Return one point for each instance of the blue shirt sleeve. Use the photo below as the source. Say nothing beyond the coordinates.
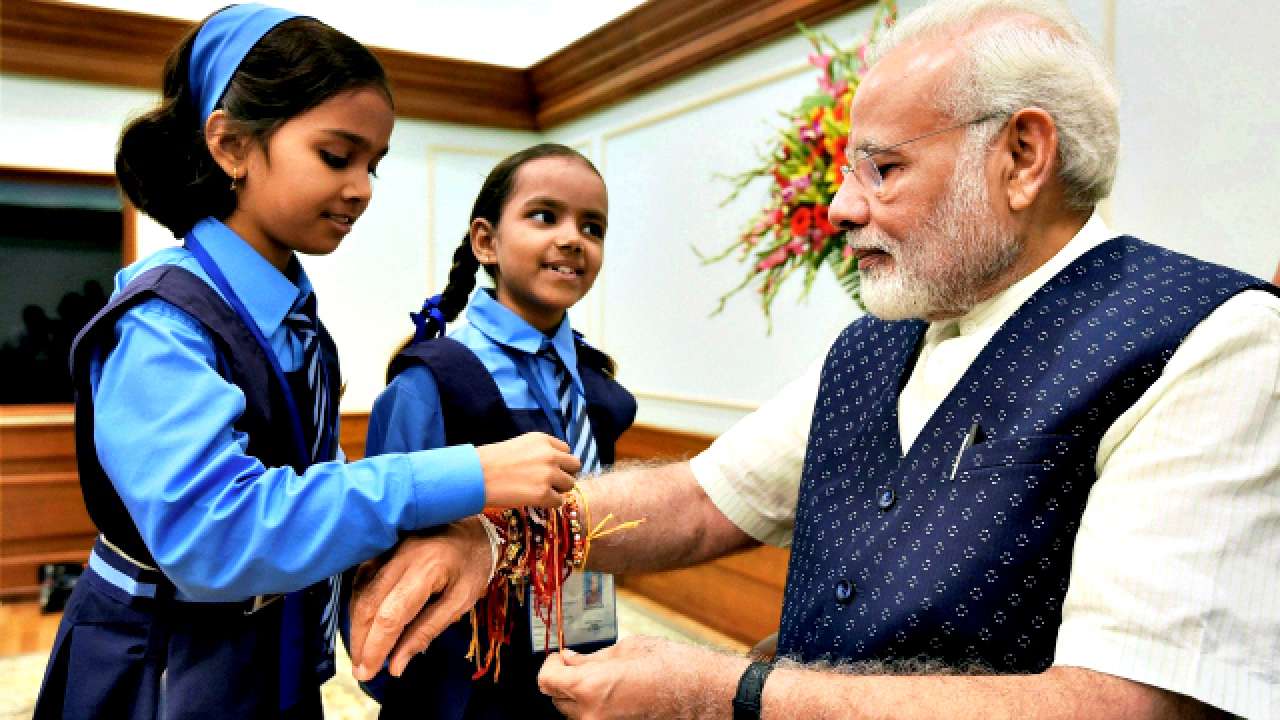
(221, 525)
(406, 416)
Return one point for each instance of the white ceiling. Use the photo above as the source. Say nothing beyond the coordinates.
(515, 33)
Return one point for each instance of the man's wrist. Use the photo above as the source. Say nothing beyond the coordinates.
(495, 543)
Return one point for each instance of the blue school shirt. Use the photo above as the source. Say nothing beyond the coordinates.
(220, 524)
(406, 416)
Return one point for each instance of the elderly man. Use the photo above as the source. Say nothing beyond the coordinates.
(1042, 479)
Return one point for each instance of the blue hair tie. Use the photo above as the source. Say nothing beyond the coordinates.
(430, 322)
(221, 45)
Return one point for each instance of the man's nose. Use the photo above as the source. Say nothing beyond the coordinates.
(849, 208)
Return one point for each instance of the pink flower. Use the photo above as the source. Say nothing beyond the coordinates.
(776, 258)
(847, 252)
(820, 61)
(797, 247)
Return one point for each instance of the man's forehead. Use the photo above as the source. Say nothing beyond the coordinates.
(896, 96)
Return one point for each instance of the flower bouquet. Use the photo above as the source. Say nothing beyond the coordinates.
(803, 163)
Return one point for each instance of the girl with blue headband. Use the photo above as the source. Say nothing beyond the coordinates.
(207, 396)
(537, 228)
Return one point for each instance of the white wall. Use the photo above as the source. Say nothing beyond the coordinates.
(1199, 168)
(1200, 127)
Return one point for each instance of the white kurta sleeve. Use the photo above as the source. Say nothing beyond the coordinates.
(752, 471)
(1175, 579)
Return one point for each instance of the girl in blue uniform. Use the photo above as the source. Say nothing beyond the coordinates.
(538, 229)
(206, 395)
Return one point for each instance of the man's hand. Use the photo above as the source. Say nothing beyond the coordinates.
(390, 607)
(642, 677)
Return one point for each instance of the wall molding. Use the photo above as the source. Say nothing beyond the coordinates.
(602, 161)
(659, 41)
(647, 47)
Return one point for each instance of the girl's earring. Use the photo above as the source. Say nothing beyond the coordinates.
(235, 177)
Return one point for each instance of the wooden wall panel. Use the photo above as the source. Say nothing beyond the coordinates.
(96, 45)
(739, 595)
(458, 91)
(653, 44)
(355, 426)
(658, 42)
(42, 519)
(42, 516)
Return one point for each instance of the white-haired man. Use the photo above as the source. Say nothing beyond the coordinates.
(1041, 479)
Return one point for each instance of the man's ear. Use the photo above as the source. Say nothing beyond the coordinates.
(229, 149)
(483, 235)
(1031, 150)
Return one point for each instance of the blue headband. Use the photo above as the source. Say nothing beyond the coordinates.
(221, 45)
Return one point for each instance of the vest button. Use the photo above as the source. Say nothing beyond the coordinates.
(844, 592)
(887, 498)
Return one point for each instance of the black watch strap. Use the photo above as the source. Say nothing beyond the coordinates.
(746, 704)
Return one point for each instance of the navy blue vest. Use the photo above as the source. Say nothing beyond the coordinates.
(437, 685)
(240, 360)
(893, 557)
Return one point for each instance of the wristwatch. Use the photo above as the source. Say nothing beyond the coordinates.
(746, 704)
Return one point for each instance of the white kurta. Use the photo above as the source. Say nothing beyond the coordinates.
(1175, 578)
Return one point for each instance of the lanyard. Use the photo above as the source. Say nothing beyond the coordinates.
(215, 274)
(524, 362)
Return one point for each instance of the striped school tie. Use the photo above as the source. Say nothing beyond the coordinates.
(302, 320)
(573, 415)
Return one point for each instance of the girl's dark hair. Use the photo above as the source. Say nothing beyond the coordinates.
(493, 196)
(163, 163)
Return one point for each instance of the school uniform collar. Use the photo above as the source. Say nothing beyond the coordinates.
(503, 326)
(266, 292)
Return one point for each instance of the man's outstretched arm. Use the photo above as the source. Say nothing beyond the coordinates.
(681, 525)
(403, 601)
(649, 678)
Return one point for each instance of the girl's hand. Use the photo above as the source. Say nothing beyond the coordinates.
(532, 469)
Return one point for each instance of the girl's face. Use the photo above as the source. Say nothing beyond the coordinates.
(549, 241)
(305, 189)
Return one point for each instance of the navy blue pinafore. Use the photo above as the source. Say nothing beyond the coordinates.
(437, 685)
(129, 647)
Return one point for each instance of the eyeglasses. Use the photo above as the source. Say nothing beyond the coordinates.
(868, 173)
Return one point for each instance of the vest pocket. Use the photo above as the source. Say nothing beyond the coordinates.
(1044, 451)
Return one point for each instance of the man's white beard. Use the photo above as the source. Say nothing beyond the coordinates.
(940, 269)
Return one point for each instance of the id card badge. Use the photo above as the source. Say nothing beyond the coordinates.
(590, 613)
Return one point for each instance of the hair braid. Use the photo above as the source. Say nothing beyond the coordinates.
(462, 280)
